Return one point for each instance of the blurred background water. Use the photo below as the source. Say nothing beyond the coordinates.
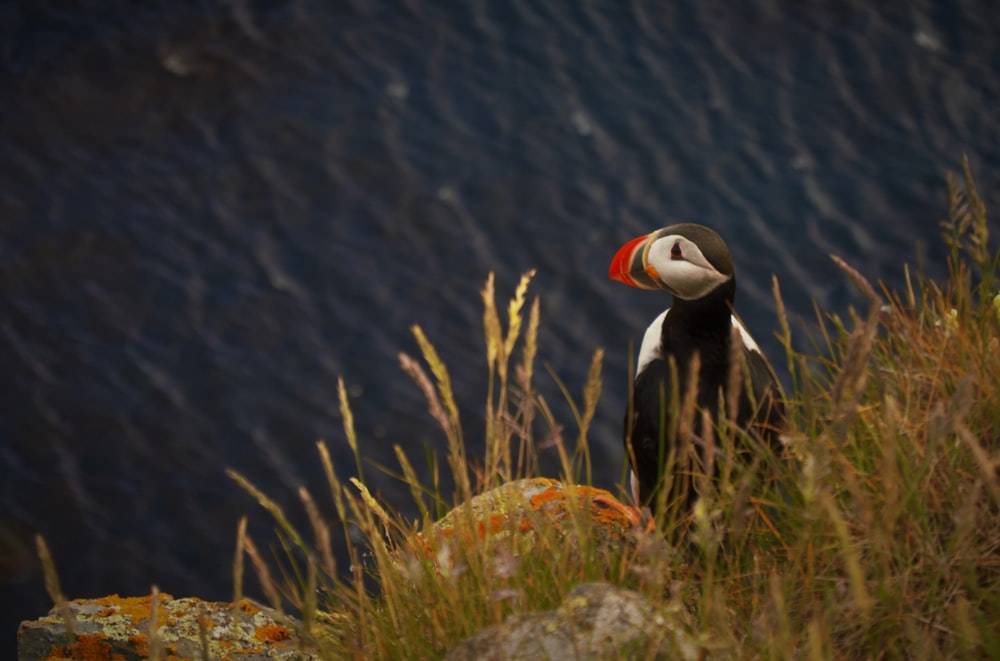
(209, 211)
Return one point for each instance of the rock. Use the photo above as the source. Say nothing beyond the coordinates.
(595, 621)
(517, 509)
(118, 628)
(528, 515)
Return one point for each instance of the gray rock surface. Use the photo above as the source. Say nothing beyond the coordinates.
(189, 628)
(595, 621)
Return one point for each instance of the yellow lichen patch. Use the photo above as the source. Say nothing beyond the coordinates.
(123, 625)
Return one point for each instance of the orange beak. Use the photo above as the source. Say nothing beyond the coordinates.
(629, 265)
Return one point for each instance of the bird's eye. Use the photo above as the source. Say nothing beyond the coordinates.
(675, 251)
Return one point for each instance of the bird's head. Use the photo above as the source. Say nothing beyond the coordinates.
(687, 260)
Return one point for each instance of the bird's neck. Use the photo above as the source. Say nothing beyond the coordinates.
(702, 325)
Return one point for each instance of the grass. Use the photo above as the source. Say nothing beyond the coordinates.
(877, 535)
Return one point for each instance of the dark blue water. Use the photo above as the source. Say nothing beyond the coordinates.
(210, 211)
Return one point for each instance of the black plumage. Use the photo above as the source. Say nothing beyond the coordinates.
(694, 264)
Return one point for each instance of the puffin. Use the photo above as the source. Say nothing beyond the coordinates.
(693, 264)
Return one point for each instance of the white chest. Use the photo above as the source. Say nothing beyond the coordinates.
(651, 349)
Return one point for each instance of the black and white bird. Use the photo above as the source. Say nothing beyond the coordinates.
(692, 263)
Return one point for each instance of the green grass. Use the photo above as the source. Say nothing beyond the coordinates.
(876, 535)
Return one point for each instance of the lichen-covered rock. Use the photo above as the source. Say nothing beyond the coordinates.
(595, 621)
(523, 507)
(118, 628)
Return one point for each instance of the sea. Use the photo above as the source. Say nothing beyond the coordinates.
(211, 211)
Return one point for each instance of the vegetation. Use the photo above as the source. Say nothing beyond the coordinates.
(877, 535)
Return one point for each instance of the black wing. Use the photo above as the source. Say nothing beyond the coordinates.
(648, 435)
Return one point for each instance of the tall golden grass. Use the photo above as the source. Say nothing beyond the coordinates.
(876, 534)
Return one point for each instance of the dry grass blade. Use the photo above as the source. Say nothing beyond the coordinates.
(264, 575)
(859, 280)
(989, 469)
(707, 441)
(241, 533)
(348, 417)
(440, 374)
(410, 476)
(495, 361)
(530, 344)
(53, 588)
(310, 603)
(372, 504)
(419, 376)
(514, 319)
(850, 383)
(336, 491)
(491, 323)
(591, 392)
(203, 623)
(272, 507)
(456, 444)
(500, 423)
(321, 532)
(591, 396)
(853, 376)
(973, 219)
(862, 601)
(157, 650)
(688, 411)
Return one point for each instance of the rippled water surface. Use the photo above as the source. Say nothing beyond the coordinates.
(211, 211)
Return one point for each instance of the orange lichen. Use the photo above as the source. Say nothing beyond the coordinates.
(519, 508)
(136, 608)
(548, 495)
(125, 622)
(203, 620)
(497, 522)
(141, 644)
(273, 633)
(605, 512)
(88, 647)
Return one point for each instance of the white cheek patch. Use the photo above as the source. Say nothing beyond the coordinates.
(688, 278)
